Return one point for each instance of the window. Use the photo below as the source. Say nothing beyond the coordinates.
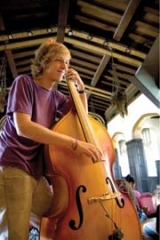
(150, 151)
(123, 158)
(146, 136)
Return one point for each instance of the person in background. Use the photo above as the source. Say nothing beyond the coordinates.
(131, 182)
(31, 111)
(152, 228)
(130, 179)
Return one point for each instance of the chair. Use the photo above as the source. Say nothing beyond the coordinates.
(146, 201)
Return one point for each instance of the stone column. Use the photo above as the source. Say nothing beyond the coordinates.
(158, 171)
(116, 167)
(137, 164)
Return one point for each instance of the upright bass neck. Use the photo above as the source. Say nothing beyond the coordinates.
(82, 115)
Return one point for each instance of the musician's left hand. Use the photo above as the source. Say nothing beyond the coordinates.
(73, 74)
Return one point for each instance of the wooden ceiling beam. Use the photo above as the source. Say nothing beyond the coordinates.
(101, 50)
(102, 102)
(23, 54)
(86, 76)
(85, 56)
(98, 12)
(23, 62)
(79, 44)
(99, 106)
(100, 70)
(111, 84)
(126, 18)
(24, 44)
(121, 5)
(105, 43)
(83, 70)
(94, 91)
(125, 69)
(23, 69)
(82, 36)
(62, 19)
(133, 4)
(91, 22)
(29, 33)
(85, 64)
(121, 75)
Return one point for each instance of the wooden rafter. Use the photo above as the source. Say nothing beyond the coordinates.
(62, 19)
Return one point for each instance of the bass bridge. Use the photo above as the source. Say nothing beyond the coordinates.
(104, 197)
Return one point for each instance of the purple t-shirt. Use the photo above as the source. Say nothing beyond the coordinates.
(41, 104)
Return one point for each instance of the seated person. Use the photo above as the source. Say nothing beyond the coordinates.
(145, 200)
(131, 181)
(127, 185)
(151, 228)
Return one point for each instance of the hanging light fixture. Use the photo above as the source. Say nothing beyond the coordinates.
(119, 97)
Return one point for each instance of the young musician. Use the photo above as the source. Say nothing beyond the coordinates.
(31, 111)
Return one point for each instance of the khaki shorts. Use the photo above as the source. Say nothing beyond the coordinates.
(23, 201)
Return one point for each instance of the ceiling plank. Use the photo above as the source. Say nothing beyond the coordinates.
(110, 79)
(23, 54)
(83, 63)
(99, 12)
(121, 5)
(125, 69)
(95, 91)
(91, 22)
(85, 56)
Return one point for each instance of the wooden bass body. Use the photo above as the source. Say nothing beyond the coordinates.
(87, 204)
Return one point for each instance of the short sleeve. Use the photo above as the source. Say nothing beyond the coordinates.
(20, 98)
(65, 103)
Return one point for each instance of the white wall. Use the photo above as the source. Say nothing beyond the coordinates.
(130, 127)
(142, 105)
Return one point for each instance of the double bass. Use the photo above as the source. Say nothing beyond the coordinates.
(87, 203)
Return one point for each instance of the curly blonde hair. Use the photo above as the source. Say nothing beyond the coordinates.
(45, 54)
